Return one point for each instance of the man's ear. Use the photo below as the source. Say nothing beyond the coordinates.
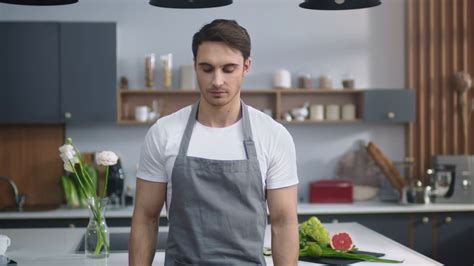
(247, 64)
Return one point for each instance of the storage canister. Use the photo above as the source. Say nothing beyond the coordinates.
(333, 112)
(348, 112)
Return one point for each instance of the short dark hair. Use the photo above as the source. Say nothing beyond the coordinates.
(226, 31)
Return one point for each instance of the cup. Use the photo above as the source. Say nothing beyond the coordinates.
(141, 113)
(4, 244)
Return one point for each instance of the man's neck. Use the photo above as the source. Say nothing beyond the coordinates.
(219, 116)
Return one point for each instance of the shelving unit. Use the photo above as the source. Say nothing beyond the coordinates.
(278, 101)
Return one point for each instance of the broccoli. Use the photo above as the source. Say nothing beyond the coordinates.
(314, 230)
(311, 249)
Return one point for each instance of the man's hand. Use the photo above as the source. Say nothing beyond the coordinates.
(284, 219)
(149, 199)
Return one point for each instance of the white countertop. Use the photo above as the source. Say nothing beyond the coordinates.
(57, 247)
(364, 207)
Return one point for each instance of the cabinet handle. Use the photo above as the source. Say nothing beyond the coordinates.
(67, 115)
(335, 221)
(448, 220)
(425, 220)
(391, 115)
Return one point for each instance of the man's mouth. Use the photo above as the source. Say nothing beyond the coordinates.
(217, 92)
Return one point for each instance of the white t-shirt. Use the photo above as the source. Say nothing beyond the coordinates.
(275, 148)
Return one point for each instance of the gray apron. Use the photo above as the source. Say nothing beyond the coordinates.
(217, 214)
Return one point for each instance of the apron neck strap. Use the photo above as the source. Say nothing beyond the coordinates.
(247, 130)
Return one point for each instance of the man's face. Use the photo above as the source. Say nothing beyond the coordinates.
(220, 70)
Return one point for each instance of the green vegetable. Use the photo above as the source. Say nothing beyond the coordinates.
(313, 230)
(311, 250)
(314, 243)
(70, 191)
(75, 196)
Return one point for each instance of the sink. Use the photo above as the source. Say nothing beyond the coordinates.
(119, 242)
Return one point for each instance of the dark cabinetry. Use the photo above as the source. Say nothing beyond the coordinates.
(389, 106)
(57, 72)
(29, 72)
(454, 234)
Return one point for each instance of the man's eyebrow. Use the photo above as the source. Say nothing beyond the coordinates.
(204, 64)
(226, 65)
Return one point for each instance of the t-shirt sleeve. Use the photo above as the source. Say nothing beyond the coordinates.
(282, 162)
(151, 166)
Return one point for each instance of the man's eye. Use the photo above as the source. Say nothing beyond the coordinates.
(206, 69)
(229, 69)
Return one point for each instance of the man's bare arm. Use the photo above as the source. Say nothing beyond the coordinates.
(284, 219)
(149, 199)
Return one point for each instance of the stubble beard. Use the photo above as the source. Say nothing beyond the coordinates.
(220, 102)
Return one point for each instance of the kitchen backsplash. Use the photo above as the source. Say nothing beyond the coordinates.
(318, 147)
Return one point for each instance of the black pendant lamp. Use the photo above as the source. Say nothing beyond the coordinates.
(190, 3)
(39, 2)
(338, 4)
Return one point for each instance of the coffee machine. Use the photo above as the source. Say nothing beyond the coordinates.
(452, 178)
(115, 184)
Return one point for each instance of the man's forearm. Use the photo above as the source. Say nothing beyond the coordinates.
(142, 243)
(285, 243)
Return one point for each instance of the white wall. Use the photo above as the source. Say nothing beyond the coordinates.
(367, 43)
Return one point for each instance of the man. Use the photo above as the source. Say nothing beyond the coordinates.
(217, 164)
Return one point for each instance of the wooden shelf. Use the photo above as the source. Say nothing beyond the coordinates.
(158, 92)
(278, 101)
(295, 122)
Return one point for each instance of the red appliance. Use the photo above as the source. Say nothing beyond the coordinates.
(331, 191)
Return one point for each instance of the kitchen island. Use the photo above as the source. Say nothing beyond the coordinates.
(56, 246)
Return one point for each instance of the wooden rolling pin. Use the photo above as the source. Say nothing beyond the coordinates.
(387, 167)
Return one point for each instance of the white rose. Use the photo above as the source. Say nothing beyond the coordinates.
(67, 152)
(68, 167)
(67, 164)
(106, 158)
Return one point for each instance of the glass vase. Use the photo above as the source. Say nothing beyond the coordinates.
(97, 238)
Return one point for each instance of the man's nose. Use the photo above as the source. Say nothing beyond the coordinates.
(217, 79)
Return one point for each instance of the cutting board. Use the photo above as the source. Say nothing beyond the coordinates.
(387, 167)
(338, 261)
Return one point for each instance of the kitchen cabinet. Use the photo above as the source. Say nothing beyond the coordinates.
(389, 106)
(420, 232)
(88, 72)
(454, 236)
(55, 72)
(29, 71)
(279, 101)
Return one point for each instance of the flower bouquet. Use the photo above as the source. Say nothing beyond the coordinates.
(97, 238)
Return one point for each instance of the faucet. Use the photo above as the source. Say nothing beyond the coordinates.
(19, 198)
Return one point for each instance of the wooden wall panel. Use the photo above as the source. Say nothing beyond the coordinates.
(439, 36)
(29, 155)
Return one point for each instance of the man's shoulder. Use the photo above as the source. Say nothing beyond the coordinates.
(172, 122)
(263, 122)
